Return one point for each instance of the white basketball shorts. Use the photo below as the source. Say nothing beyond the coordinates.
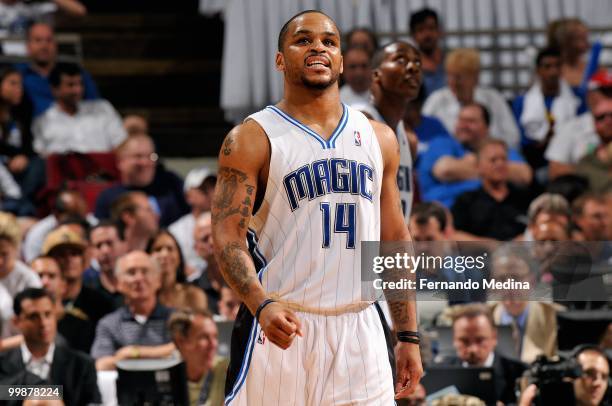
(341, 360)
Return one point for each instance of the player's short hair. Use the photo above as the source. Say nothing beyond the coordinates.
(283, 32)
(419, 17)
(379, 55)
(546, 53)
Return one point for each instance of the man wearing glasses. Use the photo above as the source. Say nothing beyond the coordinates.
(596, 166)
(139, 170)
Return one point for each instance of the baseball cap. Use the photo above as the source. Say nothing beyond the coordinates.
(196, 177)
(62, 236)
(600, 79)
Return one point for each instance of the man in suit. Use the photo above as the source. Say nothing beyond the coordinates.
(534, 323)
(475, 339)
(39, 354)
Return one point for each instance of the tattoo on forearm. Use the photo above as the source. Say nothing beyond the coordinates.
(398, 299)
(399, 311)
(234, 268)
(229, 183)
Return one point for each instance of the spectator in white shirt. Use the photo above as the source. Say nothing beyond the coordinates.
(462, 73)
(357, 77)
(14, 274)
(72, 124)
(577, 137)
(199, 189)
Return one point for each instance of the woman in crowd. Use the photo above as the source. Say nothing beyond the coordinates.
(174, 292)
(462, 75)
(571, 37)
(16, 145)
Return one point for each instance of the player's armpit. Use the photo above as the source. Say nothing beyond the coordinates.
(241, 159)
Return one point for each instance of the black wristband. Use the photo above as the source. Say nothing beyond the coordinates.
(414, 334)
(408, 340)
(261, 307)
(412, 337)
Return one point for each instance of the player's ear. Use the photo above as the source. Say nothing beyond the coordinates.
(375, 75)
(280, 62)
(341, 64)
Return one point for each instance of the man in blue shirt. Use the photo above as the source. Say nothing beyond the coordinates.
(42, 50)
(448, 168)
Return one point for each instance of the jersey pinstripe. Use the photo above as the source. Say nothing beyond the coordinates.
(322, 199)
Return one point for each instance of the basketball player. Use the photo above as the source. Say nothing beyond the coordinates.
(397, 78)
(304, 182)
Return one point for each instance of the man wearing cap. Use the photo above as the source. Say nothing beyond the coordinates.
(199, 189)
(68, 249)
(578, 137)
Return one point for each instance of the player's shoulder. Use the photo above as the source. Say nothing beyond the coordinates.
(384, 133)
(387, 140)
(247, 129)
(245, 144)
(247, 135)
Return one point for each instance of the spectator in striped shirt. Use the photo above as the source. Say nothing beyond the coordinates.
(138, 329)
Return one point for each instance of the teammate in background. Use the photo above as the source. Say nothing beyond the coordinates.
(397, 79)
(305, 201)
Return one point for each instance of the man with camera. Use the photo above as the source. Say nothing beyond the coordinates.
(589, 386)
(475, 341)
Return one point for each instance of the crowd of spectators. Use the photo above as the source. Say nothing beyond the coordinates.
(517, 178)
(132, 275)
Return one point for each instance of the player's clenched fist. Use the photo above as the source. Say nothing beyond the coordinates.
(409, 369)
(280, 324)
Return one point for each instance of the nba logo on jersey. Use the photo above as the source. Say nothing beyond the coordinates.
(357, 138)
(261, 339)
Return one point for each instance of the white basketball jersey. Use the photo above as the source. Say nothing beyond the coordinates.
(404, 173)
(322, 199)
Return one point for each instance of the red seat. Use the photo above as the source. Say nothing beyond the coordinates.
(88, 174)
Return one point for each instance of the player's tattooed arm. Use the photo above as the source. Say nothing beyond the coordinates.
(234, 260)
(240, 159)
(231, 182)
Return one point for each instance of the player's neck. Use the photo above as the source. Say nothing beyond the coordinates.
(392, 108)
(312, 106)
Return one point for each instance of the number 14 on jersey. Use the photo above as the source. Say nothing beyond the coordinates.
(344, 222)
